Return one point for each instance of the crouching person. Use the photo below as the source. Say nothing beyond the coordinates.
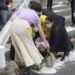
(59, 40)
(21, 38)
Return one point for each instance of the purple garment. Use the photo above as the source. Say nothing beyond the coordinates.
(29, 15)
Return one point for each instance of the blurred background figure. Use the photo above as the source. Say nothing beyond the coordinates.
(42, 2)
(72, 11)
(5, 13)
(49, 4)
(55, 38)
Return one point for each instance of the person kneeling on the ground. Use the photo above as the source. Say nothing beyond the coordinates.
(59, 39)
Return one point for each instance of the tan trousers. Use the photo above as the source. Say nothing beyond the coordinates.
(23, 43)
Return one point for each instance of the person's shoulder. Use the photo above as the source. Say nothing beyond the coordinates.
(29, 11)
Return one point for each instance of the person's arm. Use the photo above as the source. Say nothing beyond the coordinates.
(40, 30)
(43, 35)
(58, 33)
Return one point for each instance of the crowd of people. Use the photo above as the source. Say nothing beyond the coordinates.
(35, 31)
(30, 24)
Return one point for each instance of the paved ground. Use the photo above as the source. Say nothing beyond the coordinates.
(69, 69)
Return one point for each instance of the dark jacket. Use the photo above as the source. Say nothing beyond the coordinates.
(70, 0)
(3, 7)
(9, 1)
(59, 39)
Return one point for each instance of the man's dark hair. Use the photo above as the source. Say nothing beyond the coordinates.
(35, 6)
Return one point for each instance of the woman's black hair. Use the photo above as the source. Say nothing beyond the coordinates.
(52, 17)
(35, 6)
(57, 19)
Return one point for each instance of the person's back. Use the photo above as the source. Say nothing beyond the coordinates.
(32, 18)
(29, 15)
(22, 37)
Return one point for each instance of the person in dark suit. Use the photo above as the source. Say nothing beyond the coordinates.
(49, 4)
(72, 11)
(5, 11)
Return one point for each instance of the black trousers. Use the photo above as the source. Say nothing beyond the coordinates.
(12, 52)
(49, 4)
(72, 11)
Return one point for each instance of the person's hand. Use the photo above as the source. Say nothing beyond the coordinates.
(47, 44)
(42, 44)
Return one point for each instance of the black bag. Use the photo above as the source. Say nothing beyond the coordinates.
(49, 59)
